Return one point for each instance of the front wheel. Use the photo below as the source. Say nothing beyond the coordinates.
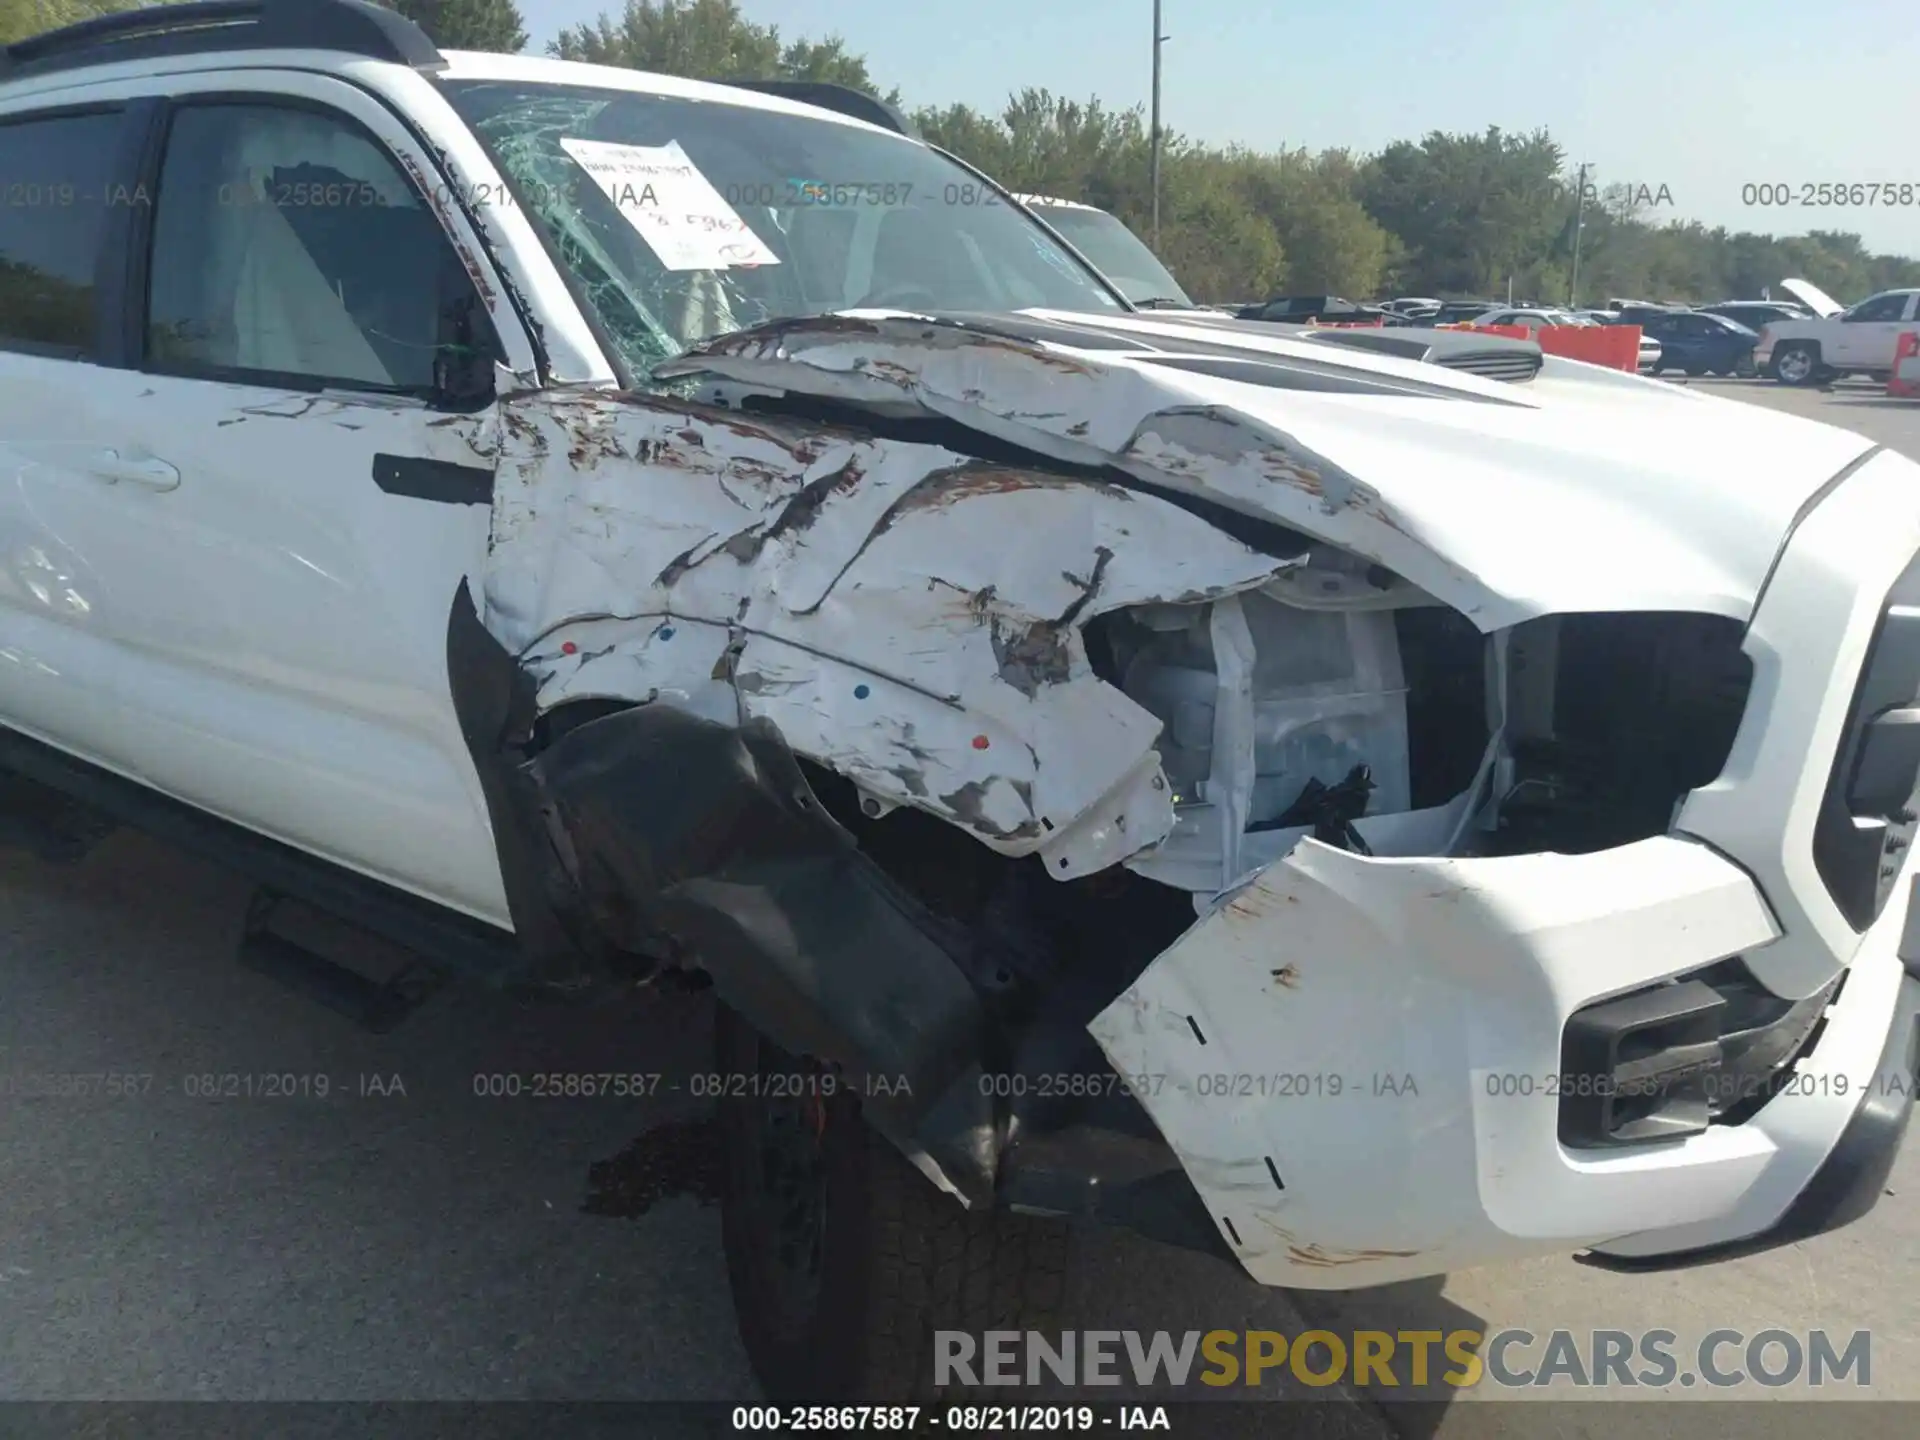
(844, 1260)
(1797, 364)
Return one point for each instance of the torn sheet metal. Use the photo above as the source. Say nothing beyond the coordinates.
(1353, 1057)
(905, 614)
(1551, 502)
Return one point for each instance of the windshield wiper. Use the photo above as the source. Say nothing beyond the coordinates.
(1162, 302)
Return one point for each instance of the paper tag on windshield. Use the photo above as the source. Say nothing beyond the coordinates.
(673, 207)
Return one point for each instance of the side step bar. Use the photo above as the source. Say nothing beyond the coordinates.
(376, 1005)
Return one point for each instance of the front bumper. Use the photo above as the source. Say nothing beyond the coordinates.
(1358, 1060)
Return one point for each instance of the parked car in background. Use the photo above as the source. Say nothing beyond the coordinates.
(1301, 309)
(1410, 305)
(1639, 314)
(1116, 252)
(1756, 315)
(1859, 341)
(1534, 318)
(1701, 344)
(1460, 312)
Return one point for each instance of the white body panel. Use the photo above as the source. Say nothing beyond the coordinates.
(265, 638)
(264, 633)
(1330, 969)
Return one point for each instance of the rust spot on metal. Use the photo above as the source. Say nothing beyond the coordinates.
(942, 488)
(804, 508)
(1323, 1258)
(764, 342)
(1031, 656)
(1249, 904)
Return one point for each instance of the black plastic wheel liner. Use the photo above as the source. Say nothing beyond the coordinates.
(493, 703)
(675, 826)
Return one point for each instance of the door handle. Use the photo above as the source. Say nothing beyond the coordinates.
(110, 465)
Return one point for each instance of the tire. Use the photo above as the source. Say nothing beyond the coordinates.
(1797, 363)
(884, 1259)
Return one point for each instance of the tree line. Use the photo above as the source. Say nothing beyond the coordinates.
(1445, 215)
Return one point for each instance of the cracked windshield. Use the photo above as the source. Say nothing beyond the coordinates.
(680, 220)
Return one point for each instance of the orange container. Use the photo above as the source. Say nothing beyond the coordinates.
(1512, 332)
(1904, 382)
(1615, 346)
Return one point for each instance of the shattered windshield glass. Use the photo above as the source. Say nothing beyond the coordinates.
(682, 219)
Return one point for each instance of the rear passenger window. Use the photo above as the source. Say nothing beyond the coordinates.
(288, 243)
(55, 190)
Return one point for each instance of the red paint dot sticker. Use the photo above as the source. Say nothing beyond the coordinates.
(568, 648)
(980, 742)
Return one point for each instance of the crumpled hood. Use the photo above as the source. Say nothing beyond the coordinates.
(1585, 489)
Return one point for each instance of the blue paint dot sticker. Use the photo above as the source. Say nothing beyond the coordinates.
(860, 692)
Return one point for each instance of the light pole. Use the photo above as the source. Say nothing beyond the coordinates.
(1579, 224)
(1154, 143)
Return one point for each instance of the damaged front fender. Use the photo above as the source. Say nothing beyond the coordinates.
(906, 615)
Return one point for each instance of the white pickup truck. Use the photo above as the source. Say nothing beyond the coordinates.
(1360, 804)
(1860, 340)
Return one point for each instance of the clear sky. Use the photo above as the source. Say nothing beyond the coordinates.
(1701, 96)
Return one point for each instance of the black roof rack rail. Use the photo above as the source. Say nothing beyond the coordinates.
(353, 27)
(842, 99)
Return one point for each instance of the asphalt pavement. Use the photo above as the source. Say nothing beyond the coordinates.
(270, 1204)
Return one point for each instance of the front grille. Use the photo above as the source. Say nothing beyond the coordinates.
(1867, 817)
(1515, 367)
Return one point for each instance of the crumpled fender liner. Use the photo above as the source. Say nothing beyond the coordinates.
(494, 705)
(677, 827)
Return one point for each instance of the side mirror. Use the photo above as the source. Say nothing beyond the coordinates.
(463, 377)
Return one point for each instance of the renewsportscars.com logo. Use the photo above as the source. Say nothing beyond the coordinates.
(1390, 1359)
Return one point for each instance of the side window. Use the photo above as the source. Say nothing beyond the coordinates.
(1879, 308)
(288, 243)
(55, 190)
